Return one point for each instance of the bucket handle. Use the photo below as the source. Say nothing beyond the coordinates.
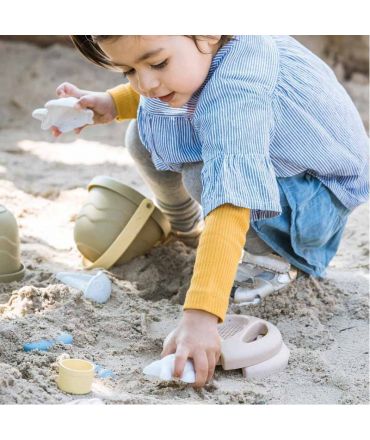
(125, 238)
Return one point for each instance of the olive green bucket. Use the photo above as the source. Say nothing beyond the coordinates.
(11, 268)
(117, 224)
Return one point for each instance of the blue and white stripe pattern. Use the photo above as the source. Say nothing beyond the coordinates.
(268, 108)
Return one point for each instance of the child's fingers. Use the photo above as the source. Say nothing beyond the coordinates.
(169, 346)
(211, 365)
(87, 101)
(55, 131)
(68, 89)
(79, 129)
(201, 368)
(180, 361)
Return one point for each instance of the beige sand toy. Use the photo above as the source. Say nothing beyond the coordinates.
(252, 344)
(75, 376)
(11, 268)
(62, 114)
(116, 224)
(249, 343)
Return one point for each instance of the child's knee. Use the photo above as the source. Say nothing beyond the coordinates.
(132, 140)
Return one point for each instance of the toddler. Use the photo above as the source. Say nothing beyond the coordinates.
(254, 135)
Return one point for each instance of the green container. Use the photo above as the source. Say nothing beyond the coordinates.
(11, 268)
(117, 224)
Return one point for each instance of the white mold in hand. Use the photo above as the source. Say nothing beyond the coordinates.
(95, 287)
(61, 113)
(164, 368)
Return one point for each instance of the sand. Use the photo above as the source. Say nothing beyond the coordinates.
(43, 182)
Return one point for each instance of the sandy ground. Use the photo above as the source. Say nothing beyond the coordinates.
(43, 182)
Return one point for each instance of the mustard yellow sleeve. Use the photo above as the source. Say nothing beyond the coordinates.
(219, 251)
(126, 101)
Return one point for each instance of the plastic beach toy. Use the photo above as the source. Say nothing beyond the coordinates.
(75, 376)
(102, 372)
(95, 287)
(62, 114)
(271, 366)
(116, 224)
(248, 343)
(163, 369)
(253, 344)
(45, 344)
(11, 268)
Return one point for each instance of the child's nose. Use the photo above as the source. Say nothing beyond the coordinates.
(147, 84)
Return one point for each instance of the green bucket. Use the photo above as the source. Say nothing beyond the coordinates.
(117, 224)
(11, 268)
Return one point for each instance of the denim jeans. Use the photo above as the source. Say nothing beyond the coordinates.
(308, 231)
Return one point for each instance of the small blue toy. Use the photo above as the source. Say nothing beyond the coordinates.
(102, 372)
(45, 344)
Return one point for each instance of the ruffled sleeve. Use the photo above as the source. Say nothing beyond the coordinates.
(234, 121)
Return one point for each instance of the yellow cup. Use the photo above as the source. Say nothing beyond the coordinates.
(75, 376)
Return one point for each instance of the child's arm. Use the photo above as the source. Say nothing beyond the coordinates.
(126, 101)
(216, 263)
(118, 103)
(219, 252)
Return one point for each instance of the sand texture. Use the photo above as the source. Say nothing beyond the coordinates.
(43, 182)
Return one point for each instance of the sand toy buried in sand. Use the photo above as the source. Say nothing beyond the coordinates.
(116, 224)
(62, 114)
(46, 344)
(249, 343)
(11, 268)
(96, 287)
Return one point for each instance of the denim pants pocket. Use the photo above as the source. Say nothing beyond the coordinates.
(310, 227)
(318, 219)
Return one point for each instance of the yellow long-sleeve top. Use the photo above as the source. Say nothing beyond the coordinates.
(220, 245)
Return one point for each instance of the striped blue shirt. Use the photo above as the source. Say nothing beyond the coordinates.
(268, 108)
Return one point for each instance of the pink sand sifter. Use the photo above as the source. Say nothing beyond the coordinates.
(252, 344)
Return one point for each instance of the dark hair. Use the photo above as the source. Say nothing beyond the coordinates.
(88, 45)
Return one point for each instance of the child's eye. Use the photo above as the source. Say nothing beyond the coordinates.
(160, 65)
(154, 66)
(129, 72)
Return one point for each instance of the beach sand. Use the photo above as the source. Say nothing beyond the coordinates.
(43, 182)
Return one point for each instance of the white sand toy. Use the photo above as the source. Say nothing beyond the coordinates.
(62, 114)
(249, 343)
(96, 287)
(164, 368)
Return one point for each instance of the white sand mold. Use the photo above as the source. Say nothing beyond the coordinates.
(62, 114)
(164, 368)
(96, 287)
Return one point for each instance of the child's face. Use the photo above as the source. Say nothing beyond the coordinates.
(173, 72)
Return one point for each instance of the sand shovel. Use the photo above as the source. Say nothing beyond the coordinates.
(96, 287)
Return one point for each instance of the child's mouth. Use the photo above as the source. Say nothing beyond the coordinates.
(167, 98)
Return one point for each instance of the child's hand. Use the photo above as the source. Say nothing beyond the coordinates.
(101, 103)
(196, 337)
